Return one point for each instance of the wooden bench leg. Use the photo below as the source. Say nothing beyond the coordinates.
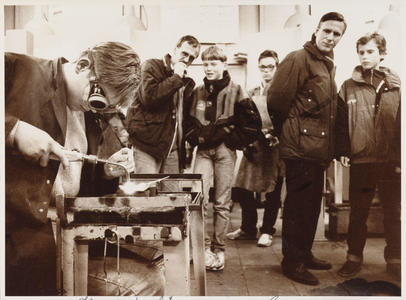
(74, 264)
(177, 268)
(197, 237)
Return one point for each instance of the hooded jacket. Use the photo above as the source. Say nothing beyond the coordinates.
(152, 119)
(302, 103)
(372, 116)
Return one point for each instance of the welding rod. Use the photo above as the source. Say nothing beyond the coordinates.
(74, 156)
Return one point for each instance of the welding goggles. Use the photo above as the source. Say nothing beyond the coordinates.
(97, 99)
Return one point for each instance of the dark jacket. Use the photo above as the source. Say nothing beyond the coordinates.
(221, 111)
(152, 120)
(35, 93)
(372, 117)
(259, 171)
(302, 103)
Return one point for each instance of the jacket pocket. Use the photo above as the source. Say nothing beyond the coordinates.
(314, 138)
(148, 132)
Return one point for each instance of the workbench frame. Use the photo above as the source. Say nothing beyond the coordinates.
(73, 244)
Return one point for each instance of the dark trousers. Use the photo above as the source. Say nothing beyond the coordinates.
(31, 262)
(249, 210)
(364, 178)
(301, 209)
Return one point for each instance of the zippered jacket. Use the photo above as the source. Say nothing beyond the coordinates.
(152, 119)
(221, 111)
(373, 117)
(302, 103)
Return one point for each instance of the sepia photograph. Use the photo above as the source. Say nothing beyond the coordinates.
(185, 149)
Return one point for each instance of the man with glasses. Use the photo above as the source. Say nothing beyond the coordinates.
(51, 106)
(302, 101)
(156, 116)
(262, 171)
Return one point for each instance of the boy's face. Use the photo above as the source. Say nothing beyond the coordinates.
(369, 55)
(328, 35)
(267, 67)
(214, 69)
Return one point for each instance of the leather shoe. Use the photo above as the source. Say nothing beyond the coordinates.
(395, 269)
(318, 264)
(300, 274)
(350, 268)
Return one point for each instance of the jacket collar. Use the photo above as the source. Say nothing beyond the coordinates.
(328, 59)
(215, 86)
(59, 97)
(391, 78)
(168, 64)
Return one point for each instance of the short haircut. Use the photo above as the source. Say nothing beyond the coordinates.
(378, 38)
(214, 53)
(191, 40)
(269, 53)
(333, 16)
(118, 68)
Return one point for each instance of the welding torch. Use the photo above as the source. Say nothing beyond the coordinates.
(74, 156)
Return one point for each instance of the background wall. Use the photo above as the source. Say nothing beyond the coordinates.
(244, 29)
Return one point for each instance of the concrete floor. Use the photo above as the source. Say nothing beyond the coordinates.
(256, 271)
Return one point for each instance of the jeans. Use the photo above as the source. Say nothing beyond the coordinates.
(363, 181)
(216, 163)
(249, 213)
(147, 164)
(301, 209)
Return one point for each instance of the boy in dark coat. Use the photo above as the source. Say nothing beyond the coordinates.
(370, 111)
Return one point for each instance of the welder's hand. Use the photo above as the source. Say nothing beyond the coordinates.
(273, 140)
(180, 68)
(36, 145)
(345, 161)
(124, 157)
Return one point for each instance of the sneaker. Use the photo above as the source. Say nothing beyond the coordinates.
(240, 235)
(220, 261)
(210, 259)
(395, 269)
(265, 240)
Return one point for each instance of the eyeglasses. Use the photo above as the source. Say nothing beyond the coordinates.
(262, 68)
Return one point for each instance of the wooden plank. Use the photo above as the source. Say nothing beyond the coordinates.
(166, 200)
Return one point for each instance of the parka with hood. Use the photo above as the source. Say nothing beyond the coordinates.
(371, 117)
